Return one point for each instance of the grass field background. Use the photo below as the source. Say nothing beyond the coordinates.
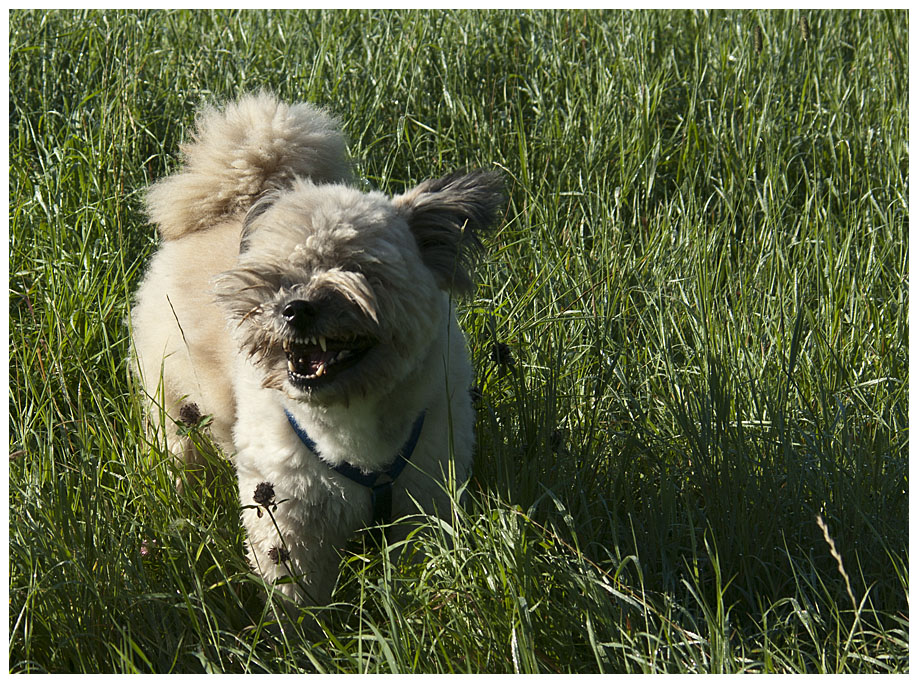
(690, 342)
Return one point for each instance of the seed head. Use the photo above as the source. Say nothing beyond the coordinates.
(501, 355)
(805, 27)
(278, 554)
(264, 494)
(189, 414)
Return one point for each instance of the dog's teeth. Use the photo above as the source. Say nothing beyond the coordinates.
(322, 342)
(320, 371)
(290, 366)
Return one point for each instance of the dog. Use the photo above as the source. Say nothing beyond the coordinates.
(313, 324)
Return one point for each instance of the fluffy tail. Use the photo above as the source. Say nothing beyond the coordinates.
(256, 144)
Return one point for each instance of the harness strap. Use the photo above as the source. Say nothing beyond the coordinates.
(380, 482)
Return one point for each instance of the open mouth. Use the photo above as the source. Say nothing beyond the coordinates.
(317, 360)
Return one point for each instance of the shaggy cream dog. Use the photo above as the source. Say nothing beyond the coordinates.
(313, 323)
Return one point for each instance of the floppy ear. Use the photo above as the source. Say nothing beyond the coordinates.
(448, 216)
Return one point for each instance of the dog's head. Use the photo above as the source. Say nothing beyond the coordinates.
(338, 292)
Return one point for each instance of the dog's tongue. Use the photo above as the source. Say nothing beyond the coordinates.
(313, 361)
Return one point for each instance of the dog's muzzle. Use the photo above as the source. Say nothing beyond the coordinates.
(314, 359)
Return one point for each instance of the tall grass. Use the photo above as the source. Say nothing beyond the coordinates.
(690, 340)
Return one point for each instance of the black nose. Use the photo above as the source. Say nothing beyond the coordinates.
(299, 313)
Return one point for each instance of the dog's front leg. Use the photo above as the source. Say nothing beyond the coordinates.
(297, 556)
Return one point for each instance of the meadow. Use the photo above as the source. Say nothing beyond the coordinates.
(690, 340)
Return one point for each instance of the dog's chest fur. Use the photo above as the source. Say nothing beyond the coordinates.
(364, 432)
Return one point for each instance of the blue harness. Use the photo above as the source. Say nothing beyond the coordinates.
(379, 483)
